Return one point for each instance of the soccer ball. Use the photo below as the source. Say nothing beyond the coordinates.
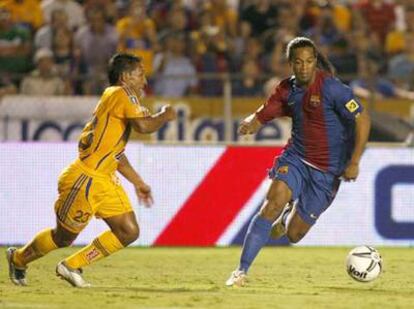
(364, 264)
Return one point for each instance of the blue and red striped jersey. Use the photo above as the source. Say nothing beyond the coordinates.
(323, 120)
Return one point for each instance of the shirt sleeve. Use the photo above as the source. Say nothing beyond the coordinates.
(275, 105)
(345, 103)
(127, 107)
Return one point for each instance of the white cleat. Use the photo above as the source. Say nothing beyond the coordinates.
(73, 276)
(16, 275)
(237, 278)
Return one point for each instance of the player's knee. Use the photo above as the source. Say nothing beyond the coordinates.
(271, 209)
(277, 197)
(62, 240)
(128, 234)
(133, 234)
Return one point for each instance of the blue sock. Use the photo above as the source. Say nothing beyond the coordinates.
(256, 237)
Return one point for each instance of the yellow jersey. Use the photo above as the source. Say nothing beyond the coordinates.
(104, 137)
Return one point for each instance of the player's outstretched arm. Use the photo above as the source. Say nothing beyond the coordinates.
(362, 128)
(249, 125)
(152, 123)
(141, 188)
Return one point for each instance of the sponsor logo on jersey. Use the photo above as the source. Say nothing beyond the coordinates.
(133, 99)
(352, 106)
(315, 100)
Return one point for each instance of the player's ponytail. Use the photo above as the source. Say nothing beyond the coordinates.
(299, 42)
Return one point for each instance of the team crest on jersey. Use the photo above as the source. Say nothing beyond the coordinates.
(133, 99)
(352, 106)
(283, 169)
(315, 100)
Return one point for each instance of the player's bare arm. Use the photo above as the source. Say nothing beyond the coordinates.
(363, 125)
(154, 122)
(141, 188)
(249, 125)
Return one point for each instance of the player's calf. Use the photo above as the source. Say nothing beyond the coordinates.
(297, 228)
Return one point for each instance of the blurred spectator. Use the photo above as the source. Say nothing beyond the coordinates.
(175, 74)
(66, 64)
(176, 23)
(342, 15)
(401, 66)
(27, 13)
(14, 45)
(309, 14)
(261, 16)
(288, 28)
(95, 42)
(223, 16)
(108, 6)
(43, 80)
(278, 67)
(343, 58)
(137, 34)
(161, 12)
(216, 39)
(324, 32)
(396, 40)
(74, 11)
(250, 84)
(254, 51)
(379, 15)
(369, 84)
(43, 37)
(210, 47)
(6, 86)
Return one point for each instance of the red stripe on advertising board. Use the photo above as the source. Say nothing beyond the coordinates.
(222, 193)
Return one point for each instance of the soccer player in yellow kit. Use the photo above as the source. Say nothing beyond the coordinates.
(89, 187)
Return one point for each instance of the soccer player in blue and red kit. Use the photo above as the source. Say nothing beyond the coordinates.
(329, 132)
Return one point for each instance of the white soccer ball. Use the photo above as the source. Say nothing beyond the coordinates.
(364, 263)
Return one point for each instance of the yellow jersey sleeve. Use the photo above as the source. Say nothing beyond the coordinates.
(127, 105)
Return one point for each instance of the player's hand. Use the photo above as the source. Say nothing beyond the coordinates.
(144, 194)
(249, 125)
(351, 172)
(169, 112)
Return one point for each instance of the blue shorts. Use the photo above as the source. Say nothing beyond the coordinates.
(314, 189)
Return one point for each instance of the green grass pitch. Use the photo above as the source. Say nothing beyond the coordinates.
(281, 277)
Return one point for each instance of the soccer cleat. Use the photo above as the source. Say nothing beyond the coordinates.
(73, 276)
(17, 275)
(237, 278)
(278, 227)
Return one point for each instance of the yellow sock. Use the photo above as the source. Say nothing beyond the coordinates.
(104, 245)
(41, 245)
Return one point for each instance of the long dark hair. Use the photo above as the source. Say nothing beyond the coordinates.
(299, 42)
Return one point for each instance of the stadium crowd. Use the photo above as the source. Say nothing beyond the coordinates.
(54, 47)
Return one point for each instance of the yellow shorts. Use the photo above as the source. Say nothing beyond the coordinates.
(84, 193)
